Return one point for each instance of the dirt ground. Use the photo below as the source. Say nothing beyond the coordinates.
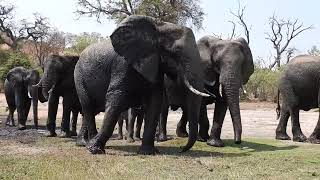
(258, 119)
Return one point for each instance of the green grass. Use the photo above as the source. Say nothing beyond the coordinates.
(254, 159)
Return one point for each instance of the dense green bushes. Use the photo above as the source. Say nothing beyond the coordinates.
(9, 60)
(263, 84)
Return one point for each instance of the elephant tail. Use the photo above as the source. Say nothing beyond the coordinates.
(278, 105)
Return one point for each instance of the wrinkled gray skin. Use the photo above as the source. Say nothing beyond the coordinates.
(130, 117)
(17, 86)
(58, 81)
(227, 63)
(299, 87)
(127, 71)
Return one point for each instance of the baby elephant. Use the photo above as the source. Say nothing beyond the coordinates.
(19, 93)
(300, 89)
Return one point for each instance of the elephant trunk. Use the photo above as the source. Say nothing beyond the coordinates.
(34, 92)
(231, 88)
(48, 83)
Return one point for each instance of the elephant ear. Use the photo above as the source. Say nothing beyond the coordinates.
(247, 66)
(205, 46)
(136, 39)
(14, 77)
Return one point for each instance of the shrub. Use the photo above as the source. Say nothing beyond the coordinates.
(263, 84)
(9, 60)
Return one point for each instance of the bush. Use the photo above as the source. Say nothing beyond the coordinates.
(263, 84)
(9, 60)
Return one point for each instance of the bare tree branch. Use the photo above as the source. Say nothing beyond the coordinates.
(241, 20)
(282, 33)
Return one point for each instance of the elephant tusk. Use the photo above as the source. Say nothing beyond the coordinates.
(243, 90)
(29, 95)
(208, 92)
(37, 85)
(220, 90)
(50, 91)
(192, 89)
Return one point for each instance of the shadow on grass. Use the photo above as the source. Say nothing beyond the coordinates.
(257, 147)
(175, 151)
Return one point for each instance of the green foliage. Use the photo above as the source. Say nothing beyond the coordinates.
(82, 41)
(314, 51)
(9, 60)
(263, 84)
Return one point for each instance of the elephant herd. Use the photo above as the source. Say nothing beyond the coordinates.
(146, 67)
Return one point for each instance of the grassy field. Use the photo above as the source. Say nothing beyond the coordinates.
(55, 158)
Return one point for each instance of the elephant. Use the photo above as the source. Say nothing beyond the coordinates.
(127, 71)
(130, 117)
(58, 81)
(134, 114)
(227, 66)
(19, 92)
(299, 88)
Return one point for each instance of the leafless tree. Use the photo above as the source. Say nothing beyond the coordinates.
(290, 53)
(176, 11)
(282, 33)
(241, 20)
(13, 32)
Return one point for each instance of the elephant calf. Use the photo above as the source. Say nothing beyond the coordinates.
(19, 92)
(58, 81)
(300, 89)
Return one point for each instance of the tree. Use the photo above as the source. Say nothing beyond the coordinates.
(12, 32)
(183, 12)
(282, 33)
(83, 40)
(241, 21)
(314, 51)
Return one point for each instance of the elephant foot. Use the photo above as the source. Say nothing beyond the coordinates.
(96, 147)
(299, 138)
(216, 142)
(120, 137)
(64, 134)
(73, 133)
(148, 150)
(8, 123)
(203, 138)
(137, 138)
(22, 127)
(314, 139)
(181, 132)
(162, 137)
(81, 142)
(282, 136)
(50, 134)
(130, 140)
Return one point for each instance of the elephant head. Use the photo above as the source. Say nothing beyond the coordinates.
(55, 70)
(153, 47)
(23, 82)
(230, 61)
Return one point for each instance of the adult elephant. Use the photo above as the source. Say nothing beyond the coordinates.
(58, 81)
(227, 65)
(127, 71)
(299, 86)
(19, 93)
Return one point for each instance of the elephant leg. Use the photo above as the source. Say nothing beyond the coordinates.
(23, 107)
(74, 123)
(218, 118)
(281, 131)
(296, 130)
(65, 123)
(315, 136)
(162, 125)
(10, 119)
(116, 103)
(138, 126)
(204, 124)
(152, 112)
(120, 126)
(131, 119)
(181, 130)
(52, 114)
(88, 128)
